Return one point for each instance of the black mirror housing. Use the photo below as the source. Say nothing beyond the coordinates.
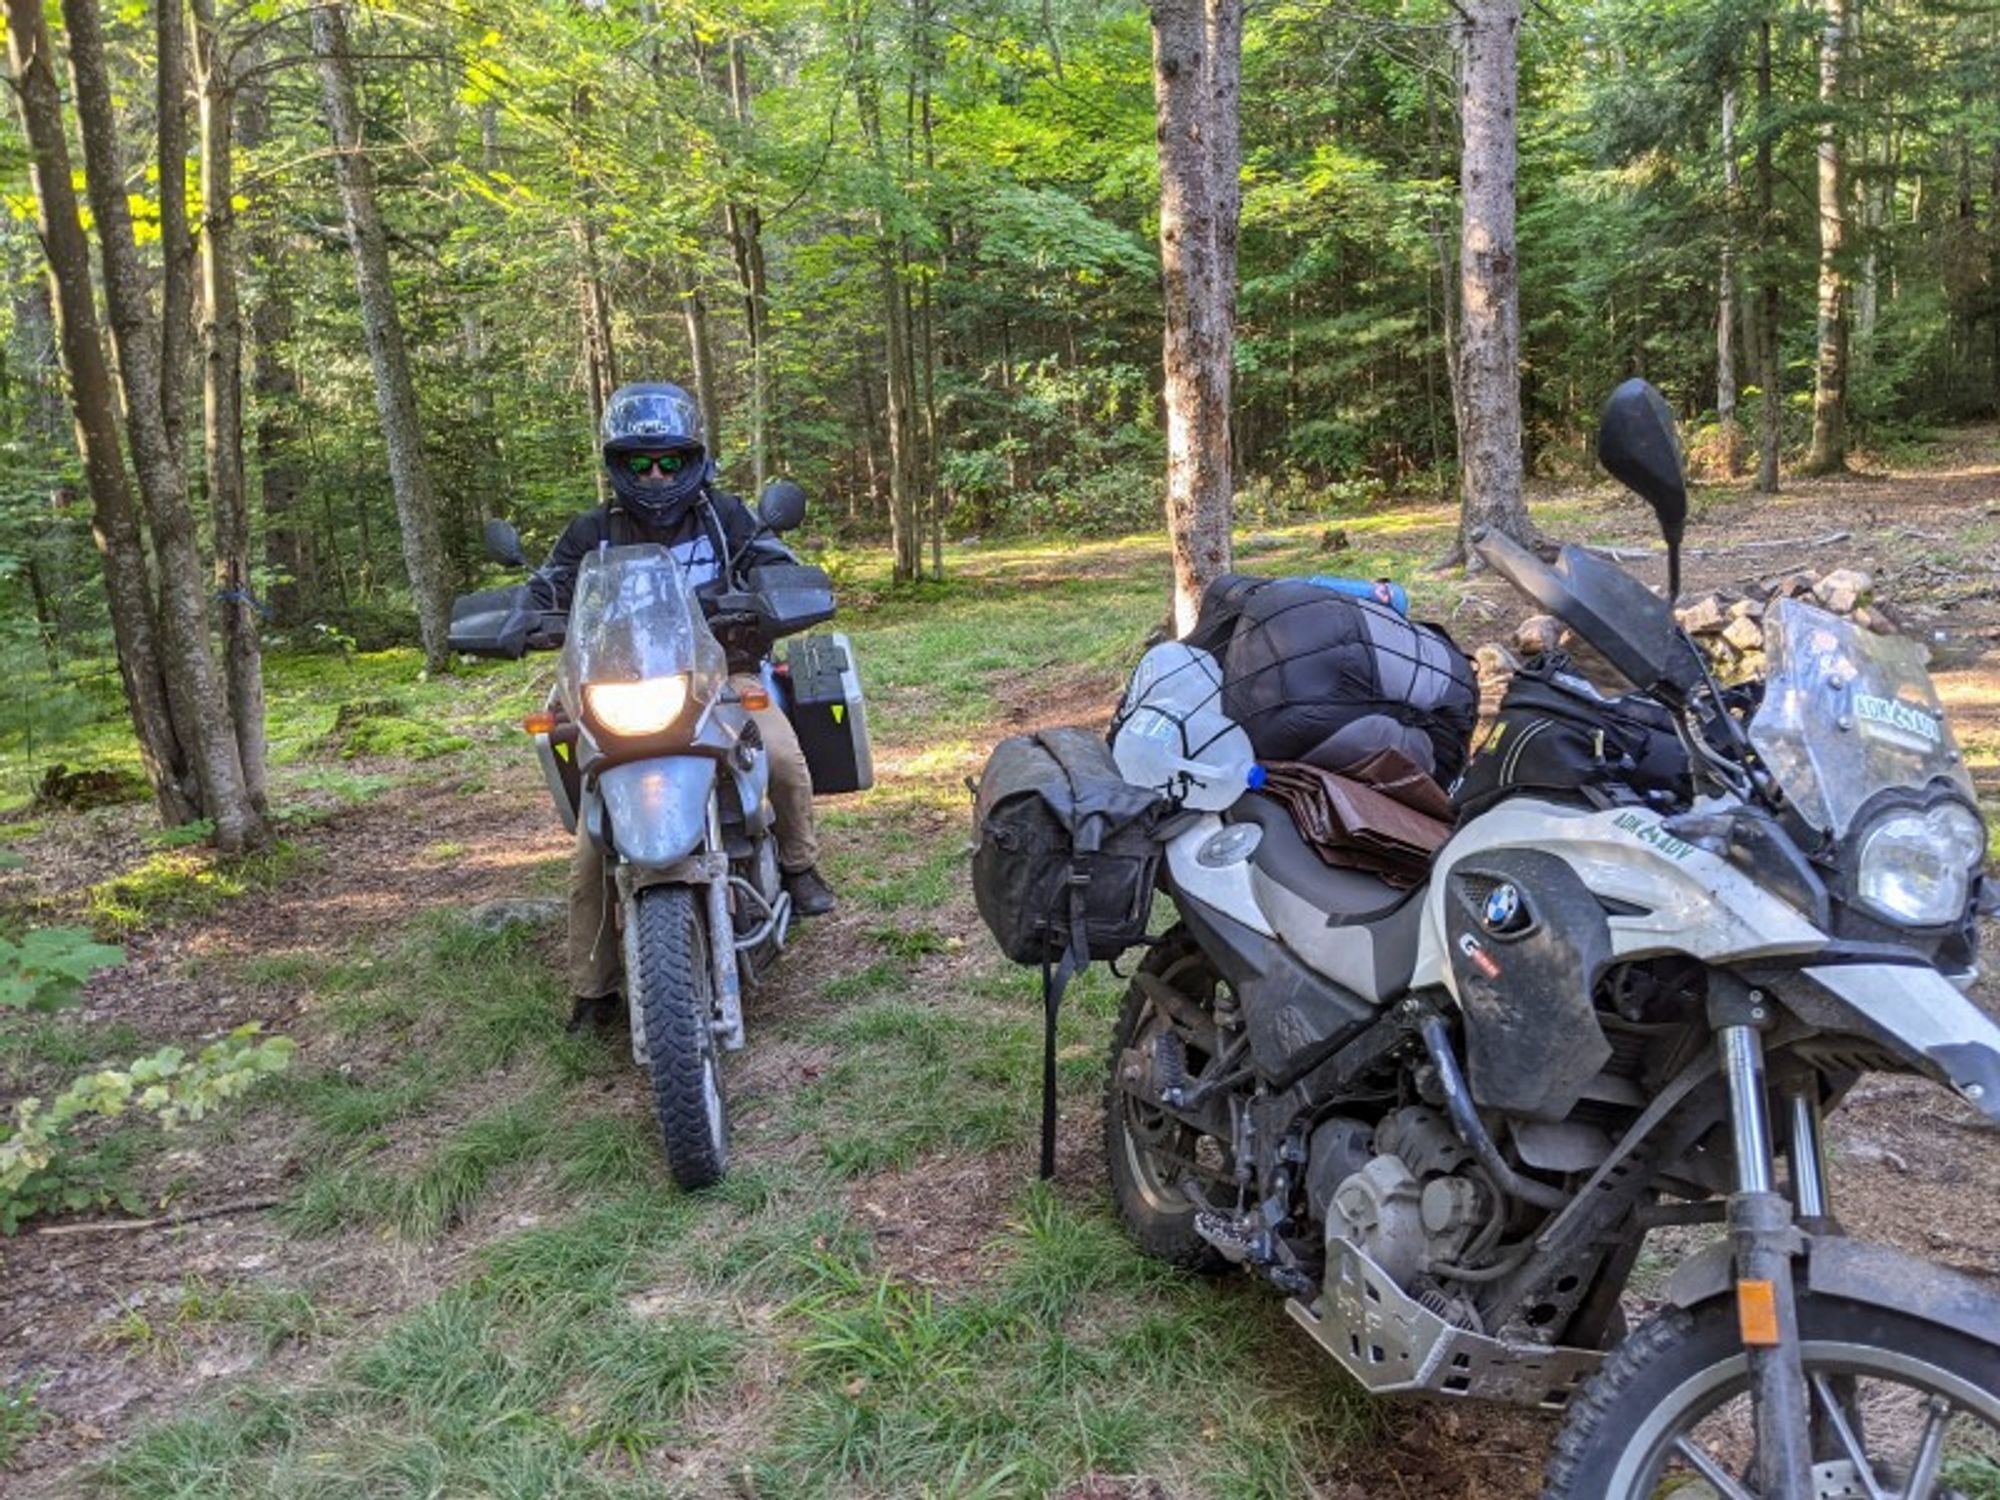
(782, 506)
(503, 543)
(1637, 445)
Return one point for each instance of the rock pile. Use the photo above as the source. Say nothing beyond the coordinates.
(1728, 625)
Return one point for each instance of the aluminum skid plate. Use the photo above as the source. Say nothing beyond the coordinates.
(1395, 1346)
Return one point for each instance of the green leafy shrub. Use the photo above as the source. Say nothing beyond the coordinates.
(38, 1146)
(45, 970)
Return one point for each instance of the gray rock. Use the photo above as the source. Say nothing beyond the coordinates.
(1843, 589)
(1705, 616)
(522, 911)
(1536, 634)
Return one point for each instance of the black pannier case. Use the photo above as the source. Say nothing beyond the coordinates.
(829, 713)
(1066, 850)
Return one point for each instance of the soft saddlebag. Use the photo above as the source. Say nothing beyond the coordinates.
(829, 713)
(1064, 860)
(1065, 850)
(1556, 735)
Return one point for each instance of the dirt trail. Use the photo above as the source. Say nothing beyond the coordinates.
(1913, 1167)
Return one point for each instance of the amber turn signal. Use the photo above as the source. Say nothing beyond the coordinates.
(755, 699)
(1757, 1313)
(541, 723)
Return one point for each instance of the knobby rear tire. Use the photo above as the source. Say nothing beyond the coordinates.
(673, 991)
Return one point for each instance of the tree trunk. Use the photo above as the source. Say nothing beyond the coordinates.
(1489, 300)
(222, 401)
(1197, 52)
(281, 479)
(701, 355)
(1771, 409)
(745, 224)
(194, 687)
(93, 405)
(176, 243)
(395, 396)
(1725, 314)
(1828, 454)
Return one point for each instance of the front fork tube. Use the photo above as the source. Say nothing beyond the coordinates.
(1765, 1241)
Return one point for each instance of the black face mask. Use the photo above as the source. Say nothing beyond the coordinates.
(661, 506)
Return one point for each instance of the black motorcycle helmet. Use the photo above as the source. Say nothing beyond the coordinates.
(652, 417)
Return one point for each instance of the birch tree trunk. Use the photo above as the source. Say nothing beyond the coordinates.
(222, 400)
(1197, 52)
(93, 406)
(1725, 313)
(194, 687)
(1771, 410)
(1489, 439)
(395, 396)
(1828, 453)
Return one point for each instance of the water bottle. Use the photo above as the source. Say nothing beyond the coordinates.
(1172, 735)
(1379, 590)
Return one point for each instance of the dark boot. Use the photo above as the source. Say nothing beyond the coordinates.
(810, 896)
(596, 1013)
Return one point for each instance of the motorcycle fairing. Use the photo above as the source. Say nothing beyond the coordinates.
(1528, 944)
(1915, 1011)
(1661, 894)
(1295, 1017)
(653, 812)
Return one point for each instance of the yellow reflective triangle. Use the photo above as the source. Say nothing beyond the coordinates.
(839, 712)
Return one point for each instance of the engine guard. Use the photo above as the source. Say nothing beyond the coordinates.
(1395, 1346)
(1857, 1271)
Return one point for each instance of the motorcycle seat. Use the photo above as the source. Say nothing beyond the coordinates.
(1350, 925)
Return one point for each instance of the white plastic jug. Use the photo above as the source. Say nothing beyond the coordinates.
(1172, 734)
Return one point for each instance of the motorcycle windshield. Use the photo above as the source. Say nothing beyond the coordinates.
(634, 617)
(1846, 714)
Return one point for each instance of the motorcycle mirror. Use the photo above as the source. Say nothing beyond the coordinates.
(503, 543)
(782, 506)
(1637, 446)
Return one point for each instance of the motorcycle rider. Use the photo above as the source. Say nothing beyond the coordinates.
(663, 491)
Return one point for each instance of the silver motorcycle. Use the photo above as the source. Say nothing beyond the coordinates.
(1444, 1121)
(649, 748)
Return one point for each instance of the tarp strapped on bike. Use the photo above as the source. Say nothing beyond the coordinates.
(1064, 863)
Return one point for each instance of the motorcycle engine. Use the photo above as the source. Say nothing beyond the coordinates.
(1410, 1205)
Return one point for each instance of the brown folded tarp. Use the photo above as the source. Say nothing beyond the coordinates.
(1391, 827)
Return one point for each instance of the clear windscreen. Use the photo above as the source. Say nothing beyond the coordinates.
(1846, 714)
(633, 617)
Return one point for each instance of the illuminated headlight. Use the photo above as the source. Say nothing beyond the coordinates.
(636, 708)
(1917, 866)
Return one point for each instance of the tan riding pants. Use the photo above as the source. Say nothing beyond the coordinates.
(593, 938)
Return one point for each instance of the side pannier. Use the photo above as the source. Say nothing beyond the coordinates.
(1064, 861)
(1065, 851)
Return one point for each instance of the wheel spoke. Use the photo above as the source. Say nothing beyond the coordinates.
(1720, 1480)
(1930, 1450)
(1857, 1455)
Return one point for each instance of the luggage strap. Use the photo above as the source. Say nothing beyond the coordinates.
(1076, 957)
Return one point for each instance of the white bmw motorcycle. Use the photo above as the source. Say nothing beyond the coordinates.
(1443, 1121)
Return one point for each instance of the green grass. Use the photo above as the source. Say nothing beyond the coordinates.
(21, 1415)
(182, 884)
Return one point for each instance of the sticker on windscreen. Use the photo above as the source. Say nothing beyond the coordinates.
(1898, 723)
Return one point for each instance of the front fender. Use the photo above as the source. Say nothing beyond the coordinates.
(1913, 1010)
(1856, 1271)
(657, 810)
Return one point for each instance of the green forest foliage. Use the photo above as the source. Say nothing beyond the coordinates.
(1016, 189)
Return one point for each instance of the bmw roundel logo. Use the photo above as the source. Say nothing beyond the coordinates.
(1503, 905)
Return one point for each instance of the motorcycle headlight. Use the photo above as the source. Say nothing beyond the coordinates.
(647, 706)
(1916, 865)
